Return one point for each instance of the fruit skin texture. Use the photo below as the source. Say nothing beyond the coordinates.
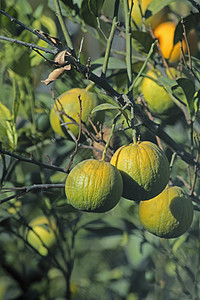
(165, 34)
(154, 20)
(44, 229)
(94, 186)
(144, 168)
(168, 215)
(156, 97)
(70, 103)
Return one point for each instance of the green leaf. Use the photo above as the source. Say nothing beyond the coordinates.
(184, 91)
(95, 6)
(189, 22)
(8, 135)
(142, 41)
(156, 5)
(86, 15)
(104, 106)
(113, 63)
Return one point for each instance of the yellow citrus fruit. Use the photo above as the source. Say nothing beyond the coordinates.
(144, 168)
(169, 214)
(94, 186)
(165, 35)
(43, 234)
(154, 20)
(157, 98)
(68, 103)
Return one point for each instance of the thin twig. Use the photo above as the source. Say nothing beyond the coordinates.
(26, 189)
(29, 45)
(79, 136)
(32, 161)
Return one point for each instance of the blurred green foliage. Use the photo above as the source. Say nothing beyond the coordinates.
(96, 256)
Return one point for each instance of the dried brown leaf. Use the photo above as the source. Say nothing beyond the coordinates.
(60, 58)
(55, 74)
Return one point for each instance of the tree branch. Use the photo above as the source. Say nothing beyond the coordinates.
(29, 45)
(143, 118)
(32, 161)
(26, 189)
(35, 32)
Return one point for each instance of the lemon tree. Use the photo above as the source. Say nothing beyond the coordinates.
(169, 214)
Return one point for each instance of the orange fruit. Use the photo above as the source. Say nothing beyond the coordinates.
(68, 103)
(94, 186)
(159, 101)
(43, 235)
(144, 168)
(154, 20)
(165, 35)
(169, 214)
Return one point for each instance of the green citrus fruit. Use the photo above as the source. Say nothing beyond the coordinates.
(154, 20)
(94, 186)
(165, 35)
(144, 168)
(69, 104)
(169, 214)
(157, 98)
(43, 234)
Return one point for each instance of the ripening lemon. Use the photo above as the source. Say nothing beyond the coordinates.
(169, 214)
(43, 234)
(165, 35)
(154, 20)
(144, 169)
(159, 101)
(68, 105)
(94, 186)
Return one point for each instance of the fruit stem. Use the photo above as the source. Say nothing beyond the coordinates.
(89, 86)
(108, 142)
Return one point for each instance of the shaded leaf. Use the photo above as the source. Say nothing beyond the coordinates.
(104, 106)
(86, 14)
(104, 231)
(189, 22)
(185, 90)
(142, 41)
(156, 5)
(113, 63)
(95, 6)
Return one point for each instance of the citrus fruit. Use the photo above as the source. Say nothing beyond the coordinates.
(154, 20)
(169, 214)
(94, 186)
(157, 98)
(165, 35)
(144, 168)
(68, 103)
(43, 234)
